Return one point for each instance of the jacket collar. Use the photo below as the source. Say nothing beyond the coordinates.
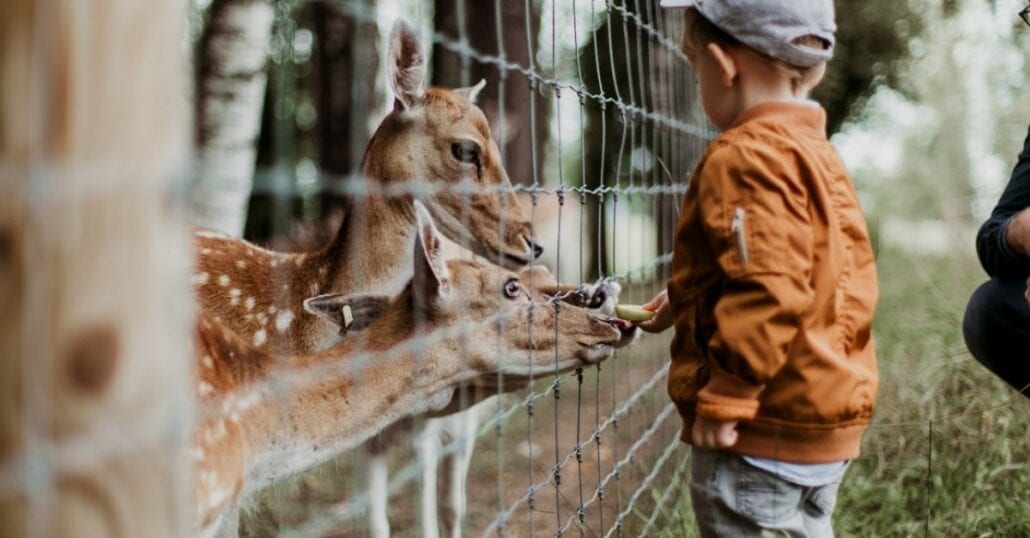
(796, 114)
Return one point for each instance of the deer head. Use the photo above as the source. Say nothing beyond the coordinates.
(441, 135)
(520, 340)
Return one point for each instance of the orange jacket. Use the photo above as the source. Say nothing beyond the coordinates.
(773, 289)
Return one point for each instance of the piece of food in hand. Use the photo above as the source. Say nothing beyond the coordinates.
(631, 312)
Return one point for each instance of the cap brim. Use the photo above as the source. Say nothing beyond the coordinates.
(673, 4)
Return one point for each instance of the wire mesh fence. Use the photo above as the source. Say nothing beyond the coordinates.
(609, 109)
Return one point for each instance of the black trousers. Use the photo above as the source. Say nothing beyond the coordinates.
(997, 330)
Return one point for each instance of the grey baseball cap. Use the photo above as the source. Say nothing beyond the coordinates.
(771, 26)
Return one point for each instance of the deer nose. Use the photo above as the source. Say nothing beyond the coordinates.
(535, 247)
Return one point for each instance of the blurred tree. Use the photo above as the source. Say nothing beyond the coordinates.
(621, 62)
(872, 44)
(230, 81)
(346, 62)
(479, 20)
(320, 96)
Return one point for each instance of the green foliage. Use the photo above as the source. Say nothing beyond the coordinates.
(872, 44)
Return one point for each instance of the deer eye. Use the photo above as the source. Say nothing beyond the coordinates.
(466, 152)
(512, 288)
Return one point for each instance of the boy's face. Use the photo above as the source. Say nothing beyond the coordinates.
(718, 101)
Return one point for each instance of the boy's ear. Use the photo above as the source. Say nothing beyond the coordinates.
(349, 312)
(726, 63)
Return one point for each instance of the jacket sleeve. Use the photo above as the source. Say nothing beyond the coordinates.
(997, 258)
(756, 215)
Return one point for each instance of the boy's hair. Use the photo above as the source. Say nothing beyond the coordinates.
(699, 32)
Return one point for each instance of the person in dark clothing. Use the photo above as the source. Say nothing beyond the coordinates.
(997, 321)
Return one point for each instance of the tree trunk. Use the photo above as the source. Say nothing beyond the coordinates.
(231, 80)
(95, 373)
(452, 70)
(346, 62)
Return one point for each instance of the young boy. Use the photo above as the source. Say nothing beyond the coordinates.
(773, 281)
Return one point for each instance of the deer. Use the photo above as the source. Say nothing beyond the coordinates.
(432, 133)
(265, 297)
(250, 435)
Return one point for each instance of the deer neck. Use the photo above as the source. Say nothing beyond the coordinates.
(320, 421)
(372, 249)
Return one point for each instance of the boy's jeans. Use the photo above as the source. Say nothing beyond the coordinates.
(731, 498)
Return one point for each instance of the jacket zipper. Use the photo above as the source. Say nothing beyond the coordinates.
(738, 228)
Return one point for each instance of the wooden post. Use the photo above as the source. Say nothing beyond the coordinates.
(95, 369)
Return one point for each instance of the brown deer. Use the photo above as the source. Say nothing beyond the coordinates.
(250, 436)
(432, 133)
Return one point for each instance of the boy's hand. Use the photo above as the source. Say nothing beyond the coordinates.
(713, 434)
(662, 319)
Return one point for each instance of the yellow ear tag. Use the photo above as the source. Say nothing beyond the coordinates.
(348, 318)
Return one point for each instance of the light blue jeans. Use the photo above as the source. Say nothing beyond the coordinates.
(734, 499)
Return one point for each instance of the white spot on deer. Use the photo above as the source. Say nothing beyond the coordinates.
(249, 400)
(206, 251)
(234, 296)
(286, 288)
(218, 497)
(272, 309)
(322, 271)
(199, 279)
(208, 362)
(259, 337)
(214, 432)
(209, 478)
(240, 264)
(248, 317)
(205, 388)
(223, 280)
(249, 303)
(283, 320)
(211, 234)
(299, 259)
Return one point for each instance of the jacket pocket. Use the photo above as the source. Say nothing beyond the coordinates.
(738, 227)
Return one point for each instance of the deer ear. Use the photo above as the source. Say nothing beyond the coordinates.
(406, 66)
(349, 312)
(432, 279)
(472, 92)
